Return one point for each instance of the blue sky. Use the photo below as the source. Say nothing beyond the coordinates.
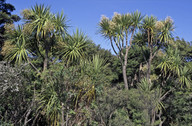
(85, 14)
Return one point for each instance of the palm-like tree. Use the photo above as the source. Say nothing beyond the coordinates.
(117, 30)
(42, 25)
(91, 73)
(172, 64)
(156, 96)
(166, 30)
(59, 22)
(15, 48)
(49, 104)
(149, 27)
(73, 47)
(168, 64)
(184, 77)
(158, 33)
(47, 27)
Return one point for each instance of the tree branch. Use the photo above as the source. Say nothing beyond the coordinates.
(163, 97)
(33, 65)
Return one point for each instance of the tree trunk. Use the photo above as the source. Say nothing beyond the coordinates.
(26, 120)
(34, 120)
(140, 69)
(26, 117)
(46, 58)
(160, 120)
(125, 63)
(153, 117)
(134, 79)
(62, 115)
(67, 119)
(150, 56)
(125, 77)
(149, 69)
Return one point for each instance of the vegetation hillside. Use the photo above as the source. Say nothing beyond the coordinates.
(49, 77)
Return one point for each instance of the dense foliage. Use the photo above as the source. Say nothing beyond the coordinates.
(5, 17)
(49, 77)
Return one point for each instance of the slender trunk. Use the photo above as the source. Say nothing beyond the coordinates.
(125, 77)
(140, 69)
(134, 79)
(153, 117)
(148, 34)
(26, 120)
(113, 46)
(62, 115)
(125, 69)
(149, 68)
(125, 59)
(45, 64)
(160, 119)
(150, 57)
(125, 63)
(126, 33)
(34, 120)
(110, 118)
(26, 117)
(66, 124)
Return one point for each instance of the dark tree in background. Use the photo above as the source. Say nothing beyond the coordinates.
(6, 17)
